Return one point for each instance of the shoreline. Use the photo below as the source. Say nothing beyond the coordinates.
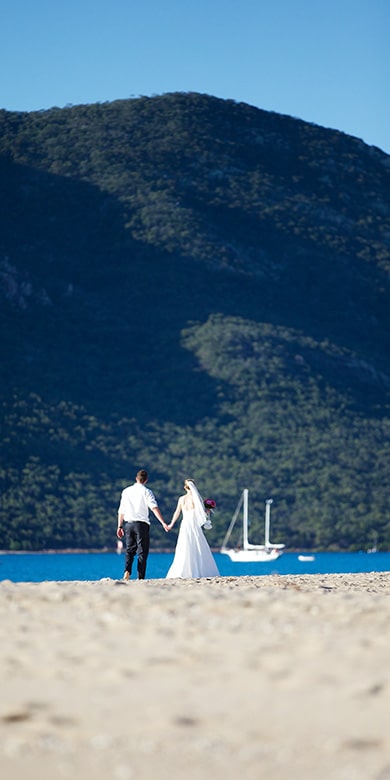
(78, 551)
(165, 550)
(339, 582)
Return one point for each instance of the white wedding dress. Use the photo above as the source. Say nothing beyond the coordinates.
(193, 557)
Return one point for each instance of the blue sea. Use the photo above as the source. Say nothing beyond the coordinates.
(40, 567)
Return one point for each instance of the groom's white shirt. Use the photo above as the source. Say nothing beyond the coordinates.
(136, 500)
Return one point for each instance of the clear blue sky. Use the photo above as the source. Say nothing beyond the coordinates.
(325, 61)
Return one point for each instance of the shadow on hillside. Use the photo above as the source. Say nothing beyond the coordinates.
(95, 317)
(90, 315)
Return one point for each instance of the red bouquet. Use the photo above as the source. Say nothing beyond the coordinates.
(209, 504)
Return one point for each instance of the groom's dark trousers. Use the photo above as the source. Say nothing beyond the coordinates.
(137, 544)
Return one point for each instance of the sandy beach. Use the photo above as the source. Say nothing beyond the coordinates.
(225, 678)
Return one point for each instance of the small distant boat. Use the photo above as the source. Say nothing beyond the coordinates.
(304, 558)
(251, 553)
(374, 547)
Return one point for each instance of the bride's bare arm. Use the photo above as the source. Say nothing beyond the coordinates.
(176, 513)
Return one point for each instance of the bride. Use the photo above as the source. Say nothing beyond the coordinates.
(193, 557)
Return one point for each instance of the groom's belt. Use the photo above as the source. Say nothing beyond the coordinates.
(129, 522)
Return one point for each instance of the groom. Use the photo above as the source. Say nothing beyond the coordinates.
(134, 523)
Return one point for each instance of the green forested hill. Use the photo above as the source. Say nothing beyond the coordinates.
(200, 288)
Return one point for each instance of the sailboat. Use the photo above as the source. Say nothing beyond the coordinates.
(374, 547)
(251, 553)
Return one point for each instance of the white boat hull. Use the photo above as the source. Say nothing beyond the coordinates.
(252, 556)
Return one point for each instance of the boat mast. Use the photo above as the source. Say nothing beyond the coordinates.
(267, 521)
(245, 520)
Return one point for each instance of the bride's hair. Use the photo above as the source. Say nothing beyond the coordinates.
(186, 481)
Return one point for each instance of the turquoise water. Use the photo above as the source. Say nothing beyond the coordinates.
(39, 567)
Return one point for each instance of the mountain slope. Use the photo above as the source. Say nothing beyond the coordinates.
(200, 287)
